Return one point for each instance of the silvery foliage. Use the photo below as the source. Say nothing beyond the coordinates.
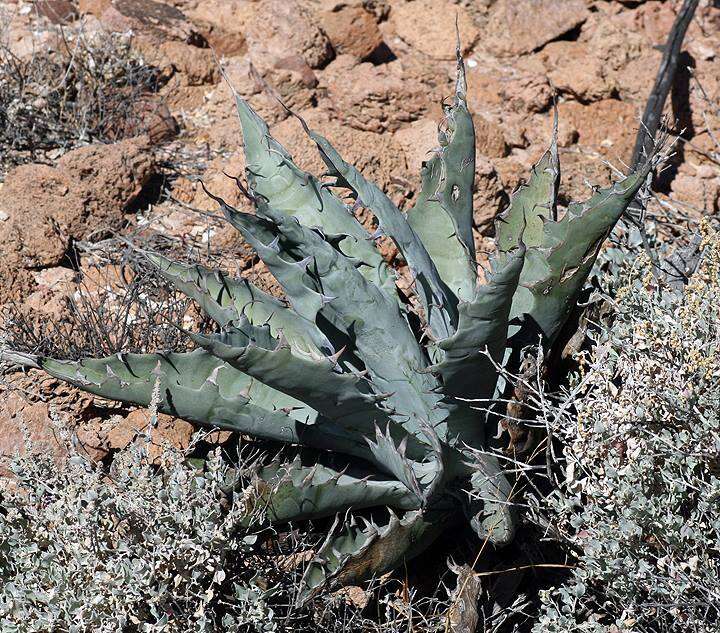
(141, 547)
(640, 500)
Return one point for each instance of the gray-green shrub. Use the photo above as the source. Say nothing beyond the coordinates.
(641, 497)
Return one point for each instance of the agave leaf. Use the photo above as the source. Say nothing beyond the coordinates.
(293, 491)
(395, 459)
(443, 214)
(374, 322)
(290, 274)
(531, 203)
(201, 388)
(273, 174)
(438, 300)
(227, 300)
(491, 511)
(357, 554)
(319, 382)
(467, 368)
(483, 325)
(555, 272)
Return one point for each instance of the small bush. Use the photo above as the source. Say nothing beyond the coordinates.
(131, 548)
(89, 89)
(640, 503)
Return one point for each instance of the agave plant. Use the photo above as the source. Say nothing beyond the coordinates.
(381, 396)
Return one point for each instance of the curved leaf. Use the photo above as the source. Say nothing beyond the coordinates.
(439, 302)
(357, 554)
(273, 174)
(226, 300)
(443, 214)
(555, 272)
(201, 388)
(531, 203)
(293, 491)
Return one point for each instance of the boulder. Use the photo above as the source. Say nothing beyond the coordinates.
(352, 30)
(156, 21)
(84, 197)
(280, 30)
(515, 27)
(372, 98)
(428, 26)
(57, 11)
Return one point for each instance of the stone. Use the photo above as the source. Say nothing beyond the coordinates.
(86, 195)
(379, 157)
(222, 24)
(21, 421)
(515, 27)
(352, 31)
(417, 140)
(608, 126)
(489, 138)
(576, 70)
(35, 410)
(194, 66)
(57, 11)
(428, 26)
(278, 30)
(695, 194)
(39, 201)
(372, 98)
(523, 88)
(156, 21)
(167, 432)
(109, 178)
(489, 197)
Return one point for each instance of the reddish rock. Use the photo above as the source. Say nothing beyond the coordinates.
(608, 126)
(652, 19)
(580, 171)
(417, 140)
(219, 184)
(428, 26)
(93, 7)
(522, 26)
(522, 88)
(50, 300)
(378, 156)
(168, 432)
(156, 20)
(489, 138)
(39, 202)
(352, 30)
(86, 195)
(226, 43)
(24, 415)
(626, 56)
(194, 66)
(21, 421)
(577, 70)
(17, 281)
(372, 98)
(276, 30)
(697, 194)
(222, 23)
(109, 178)
(489, 197)
(152, 118)
(57, 11)
(216, 122)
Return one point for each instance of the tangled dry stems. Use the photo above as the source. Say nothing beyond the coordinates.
(90, 88)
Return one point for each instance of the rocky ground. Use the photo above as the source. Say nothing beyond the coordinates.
(371, 74)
